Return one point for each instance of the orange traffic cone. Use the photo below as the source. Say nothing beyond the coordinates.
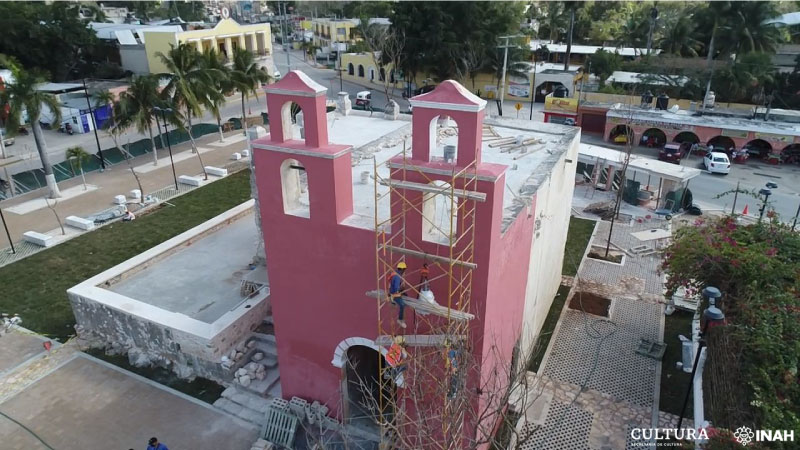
(744, 211)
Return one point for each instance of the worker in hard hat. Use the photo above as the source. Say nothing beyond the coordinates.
(396, 291)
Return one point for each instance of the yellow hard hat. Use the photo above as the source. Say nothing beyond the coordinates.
(401, 265)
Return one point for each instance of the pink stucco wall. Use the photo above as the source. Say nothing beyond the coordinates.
(320, 269)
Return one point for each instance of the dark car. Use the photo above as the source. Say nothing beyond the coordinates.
(423, 90)
(671, 153)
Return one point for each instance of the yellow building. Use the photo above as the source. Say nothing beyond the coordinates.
(224, 37)
(328, 31)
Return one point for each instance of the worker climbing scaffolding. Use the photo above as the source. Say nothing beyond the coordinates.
(396, 358)
(396, 291)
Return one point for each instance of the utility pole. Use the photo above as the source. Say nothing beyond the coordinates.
(286, 42)
(339, 54)
(94, 125)
(653, 17)
(505, 65)
(710, 62)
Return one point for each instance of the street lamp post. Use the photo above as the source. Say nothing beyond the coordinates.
(94, 125)
(8, 235)
(164, 112)
(766, 192)
(714, 315)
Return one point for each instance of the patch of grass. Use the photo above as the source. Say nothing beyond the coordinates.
(674, 381)
(200, 388)
(580, 231)
(35, 287)
(549, 325)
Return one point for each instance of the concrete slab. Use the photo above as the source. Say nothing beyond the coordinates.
(16, 348)
(165, 162)
(200, 280)
(88, 404)
(39, 203)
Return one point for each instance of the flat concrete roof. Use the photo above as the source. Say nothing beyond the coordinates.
(590, 153)
(200, 280)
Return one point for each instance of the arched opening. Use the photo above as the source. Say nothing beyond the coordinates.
(686, 136)
(791, 154)
(292, 121)
(294, 188)
(382, 75)
(363, 371)
(653, 137)
(621, 134)
(758, 148)
(545, 88)
(721, 144)
(392, 78)
(443, 135)
(361, 71)
(371, 74)
(439, 214)
(351, 69)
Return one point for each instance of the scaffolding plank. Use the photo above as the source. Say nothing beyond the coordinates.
(423, 306)
(420, 340)
(460, 193)
(428, 256)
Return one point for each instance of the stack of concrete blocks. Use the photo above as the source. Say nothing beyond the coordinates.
(392, 111)
(343, 104)
(314, 413)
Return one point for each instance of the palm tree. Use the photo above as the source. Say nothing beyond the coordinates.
(223, 86)
(22, 95)
(246, 76)
(743, 31)
(572, 7)
(679, 37)
(136, 107)
(188, 83)
(76, 157)
(117, 123)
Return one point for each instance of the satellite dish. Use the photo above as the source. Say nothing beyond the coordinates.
(226, 13)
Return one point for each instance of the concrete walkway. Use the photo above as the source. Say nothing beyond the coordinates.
(115, 181)
(595, 387)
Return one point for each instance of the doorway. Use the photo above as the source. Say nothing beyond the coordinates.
(363, 377)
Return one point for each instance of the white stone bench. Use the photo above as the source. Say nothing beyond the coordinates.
(236, 156)
(136, 194)
(191, 181)
(38, 238)
(120, 199)
(245, 153)
(79, 222)
(216, 171)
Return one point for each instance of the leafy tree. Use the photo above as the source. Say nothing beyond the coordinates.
(49, 37)
(679, 36)
(188, 86)
(368, 9)
(77, 156)
(117, 124)
(746, 79)
(603, 64)
(222, 84)
(636, 26)
(22, 95)
(136, 107)
(742, 30)
(246, 77)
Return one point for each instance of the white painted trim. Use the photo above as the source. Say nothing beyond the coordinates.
(294, 93)
(447, 106)
(293, 151)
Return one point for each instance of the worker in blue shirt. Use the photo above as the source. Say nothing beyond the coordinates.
(153, 444)
(396, 291)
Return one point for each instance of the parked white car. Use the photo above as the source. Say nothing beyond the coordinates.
(717, 162)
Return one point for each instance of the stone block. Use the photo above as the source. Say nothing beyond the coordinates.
(244, 380)
(392, 111)
(343, 103)
(245, 153)
(191, 181)
(261, 375)
(135, 194)
(120, 200)
(241, 372)
(38, 238)
(79, 222)
(258, 356)
(236, 156)
(216, 171)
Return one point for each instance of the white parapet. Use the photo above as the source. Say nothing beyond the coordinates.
(191, 181)
(79, 222)
(38, 238)
(216, 171)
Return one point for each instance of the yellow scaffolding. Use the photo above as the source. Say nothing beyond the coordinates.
(424, 409)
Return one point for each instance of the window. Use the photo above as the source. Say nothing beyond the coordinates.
(720, 159)
(294, 187)
(439, 215)
(350, 69)
(382, 75)
(361, 71)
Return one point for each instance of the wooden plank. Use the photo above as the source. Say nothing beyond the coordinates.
(428, 256)
(503, 141)
(429, 189)
(420, 340)
(425, 307)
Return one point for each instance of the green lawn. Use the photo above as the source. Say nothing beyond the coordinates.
(674, 381)
(580, 231)
(35, 287)
(547, 328)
